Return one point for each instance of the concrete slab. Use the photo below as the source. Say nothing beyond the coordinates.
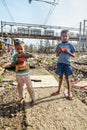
(43, 81)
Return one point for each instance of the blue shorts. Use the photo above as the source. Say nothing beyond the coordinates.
(63, 69)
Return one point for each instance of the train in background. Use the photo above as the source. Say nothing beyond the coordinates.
(35, 31)
(41, 32)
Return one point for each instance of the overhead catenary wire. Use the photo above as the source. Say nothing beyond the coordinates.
(49, 13)
(48, 2)
(6, 7)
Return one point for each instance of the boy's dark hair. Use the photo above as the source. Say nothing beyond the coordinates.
(17, 42)
(65, 32)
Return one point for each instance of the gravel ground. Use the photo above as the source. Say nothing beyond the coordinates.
(49, 113)
(56, 113)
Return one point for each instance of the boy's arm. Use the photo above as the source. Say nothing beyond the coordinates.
(71, 54)
(58, 52)
(14, 63)
(30, 55)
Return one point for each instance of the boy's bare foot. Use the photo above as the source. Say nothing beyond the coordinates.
(55, 93)
(32, 102)
(68, 96)
(71, 97)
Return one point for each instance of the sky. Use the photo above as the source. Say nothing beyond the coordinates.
(68, 13)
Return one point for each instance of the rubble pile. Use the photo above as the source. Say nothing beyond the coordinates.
(80, 66)
(81, 95)
(11, 110)
(6, 58)
(4, 61)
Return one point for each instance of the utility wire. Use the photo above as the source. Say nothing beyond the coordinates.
(49, 13)
(48, 2)
(5, 5)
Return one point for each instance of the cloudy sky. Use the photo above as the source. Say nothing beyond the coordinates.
(67, 13)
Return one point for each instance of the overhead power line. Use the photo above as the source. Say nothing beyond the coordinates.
(49, 14)
(52, 2)
(5, 5)
(48, 2)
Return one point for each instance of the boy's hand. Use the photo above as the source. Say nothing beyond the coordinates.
(64, 50)
(20, 55)
(22, 59)
(59, 51)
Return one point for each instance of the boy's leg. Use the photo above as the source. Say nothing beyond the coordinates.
(20, 86)
(30, 88)
(70, 96)
(68, 72)
(59, 87)
(20, 90)
(60, 83)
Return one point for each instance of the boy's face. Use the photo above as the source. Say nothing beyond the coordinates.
(64, 37)
(19, 49)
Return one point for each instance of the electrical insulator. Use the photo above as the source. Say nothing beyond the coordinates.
(30, 1)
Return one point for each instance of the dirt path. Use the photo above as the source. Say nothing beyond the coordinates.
(55, 113)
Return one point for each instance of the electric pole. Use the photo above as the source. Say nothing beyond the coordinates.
(80, 28)
(84, 27)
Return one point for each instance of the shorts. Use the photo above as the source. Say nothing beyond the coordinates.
(63, 69)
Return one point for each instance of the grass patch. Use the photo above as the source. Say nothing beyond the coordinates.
(53, 60)
(1, 79)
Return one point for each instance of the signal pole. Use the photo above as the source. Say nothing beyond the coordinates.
(84, 33)
(2, 28)
(80, 28)
(84, 27)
